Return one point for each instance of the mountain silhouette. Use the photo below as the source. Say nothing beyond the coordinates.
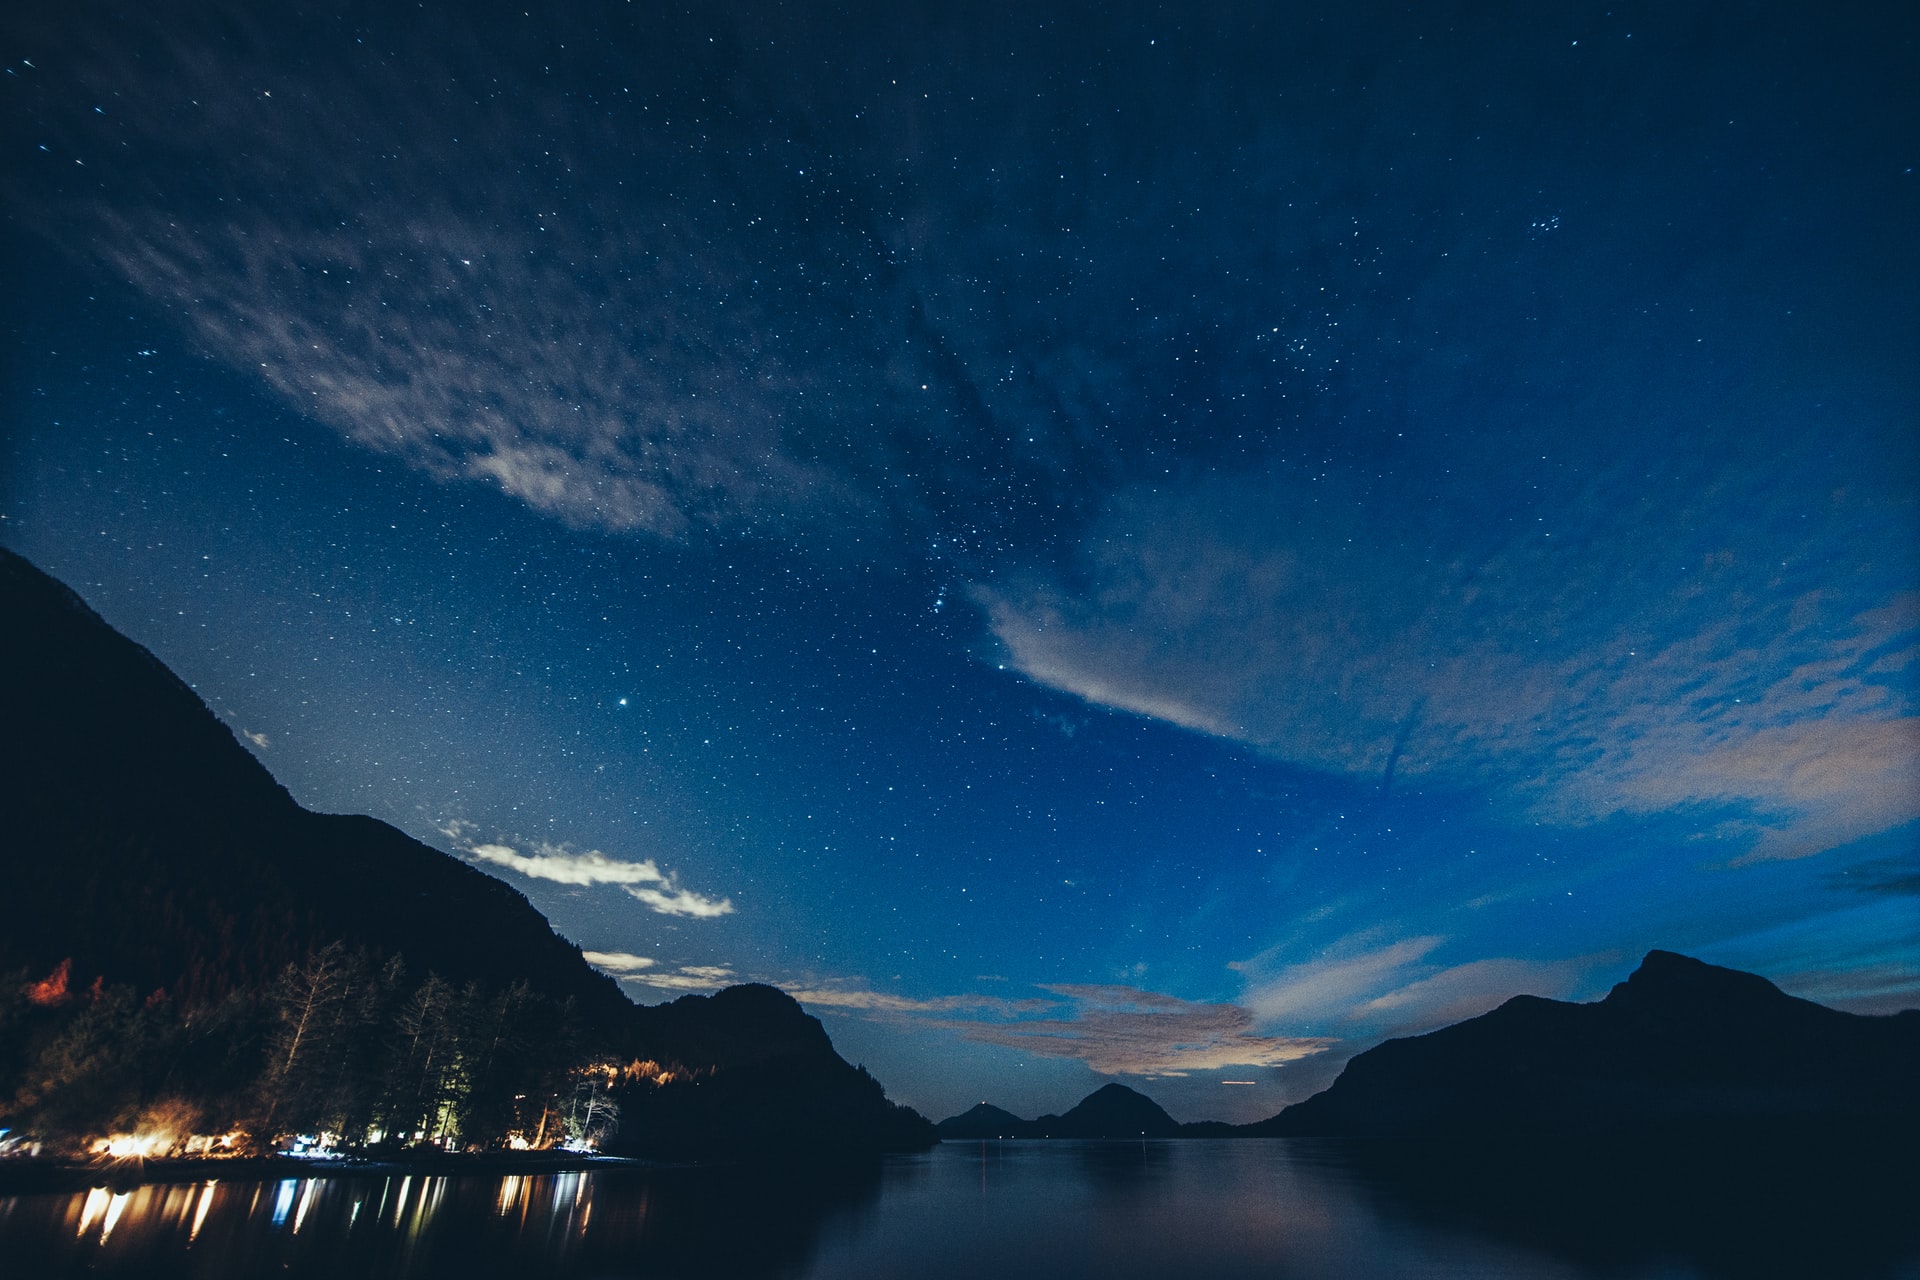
(1111, 1111)
(152, 849)
(1679, 1045)
(780, 1087)
(1114, 1111)
(987, 1121)
(149, 849)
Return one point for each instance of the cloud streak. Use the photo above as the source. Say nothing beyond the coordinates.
(1119, 1030)
(751, 346)
(448, 323)
(1896, 876)
(863, 1000)
(668, 315)
(644, 881)
(1368, 986)
(1115, 1030)
(693, 977)
(681, 902)
(1617, 670)
(622, 962)
(563, 866)
(1877, 989)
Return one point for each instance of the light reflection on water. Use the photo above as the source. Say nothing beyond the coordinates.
(308, 1225)
(1058, 1209)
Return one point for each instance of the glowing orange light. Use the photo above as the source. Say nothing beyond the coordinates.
(53, 989)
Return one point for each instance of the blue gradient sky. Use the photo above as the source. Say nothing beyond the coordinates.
(1085, 543)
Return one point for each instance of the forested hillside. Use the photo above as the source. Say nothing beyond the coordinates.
(188, 951)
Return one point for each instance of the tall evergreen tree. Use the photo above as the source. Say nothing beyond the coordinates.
(306, 1004)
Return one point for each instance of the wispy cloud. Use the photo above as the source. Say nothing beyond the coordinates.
(1367, 986)
(1119, 1030)
(802, 339)
(1329, 989)
(563, 866)
(643, 880)
(682, 902)
(257, 739)
(693, 977)
(1872, 989)
(737, 357)
(1598, 674)
(879, 1001)
(458, 830)
(1468, 990)
(1115, 1030)
(1899, 876)
(618, 961)
(862, 999)
(446, 323)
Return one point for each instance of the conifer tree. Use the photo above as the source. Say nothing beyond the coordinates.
(306, 1007)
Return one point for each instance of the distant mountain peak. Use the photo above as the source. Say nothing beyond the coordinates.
(984, 1120)
(1111, 1111)
(1115, 1111)
(1114, 1091)
(1666, 977)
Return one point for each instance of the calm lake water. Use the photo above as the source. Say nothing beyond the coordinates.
(1273, 1208)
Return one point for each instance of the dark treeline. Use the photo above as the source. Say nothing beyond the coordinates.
(344, 1043)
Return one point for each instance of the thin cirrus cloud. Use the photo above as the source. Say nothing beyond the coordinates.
(701, 375)
(1878, 989)
(1356, 989)
(821, 337)
(1120, 1030)
(1114, 1030)
(1896, 876)
(563, 866)
(670, 901)
(621, 962)
(1368, 985)
(863, 1000)
(692, 977)
(642, 880)
(1646, 653)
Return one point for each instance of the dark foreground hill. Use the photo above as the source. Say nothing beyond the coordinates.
(779, 1087)
(147, 846)
(1680, 1045)
(155, 878)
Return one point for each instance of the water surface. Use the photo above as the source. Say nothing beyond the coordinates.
(1145, 1210)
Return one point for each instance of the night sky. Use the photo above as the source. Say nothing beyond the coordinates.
(1159, 543)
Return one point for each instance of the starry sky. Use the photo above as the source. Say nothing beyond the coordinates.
(1161, 543)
